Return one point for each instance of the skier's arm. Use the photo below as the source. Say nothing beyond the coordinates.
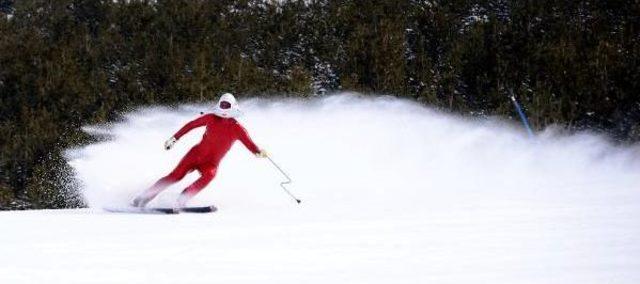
(201, 121)
(243, 136)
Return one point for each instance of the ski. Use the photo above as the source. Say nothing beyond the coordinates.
(162, 210)
(140, 210)
(199, 209)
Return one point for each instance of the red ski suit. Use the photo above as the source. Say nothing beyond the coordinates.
(205, 157)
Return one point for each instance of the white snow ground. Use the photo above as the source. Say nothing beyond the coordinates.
(392, 193)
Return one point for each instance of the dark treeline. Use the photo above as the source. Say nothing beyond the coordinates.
(67, 63)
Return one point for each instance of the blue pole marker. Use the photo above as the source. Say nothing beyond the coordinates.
(523, 117)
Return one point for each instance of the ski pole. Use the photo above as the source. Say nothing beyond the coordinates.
(288, 181)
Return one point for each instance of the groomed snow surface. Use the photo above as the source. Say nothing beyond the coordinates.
(392, 193)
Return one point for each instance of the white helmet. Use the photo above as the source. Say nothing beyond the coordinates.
(227, 107)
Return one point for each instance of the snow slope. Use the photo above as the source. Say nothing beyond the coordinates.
(392, 193)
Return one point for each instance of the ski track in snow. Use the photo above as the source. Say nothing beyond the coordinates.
(392, 192)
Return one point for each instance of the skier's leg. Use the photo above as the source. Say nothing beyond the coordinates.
(185, 166)
(207, 174)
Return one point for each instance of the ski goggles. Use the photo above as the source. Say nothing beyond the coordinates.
(225, 105)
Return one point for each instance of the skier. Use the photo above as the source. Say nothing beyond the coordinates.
(222, 130)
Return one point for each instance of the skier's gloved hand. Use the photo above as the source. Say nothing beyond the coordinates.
(262, 154)
(169, 143)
